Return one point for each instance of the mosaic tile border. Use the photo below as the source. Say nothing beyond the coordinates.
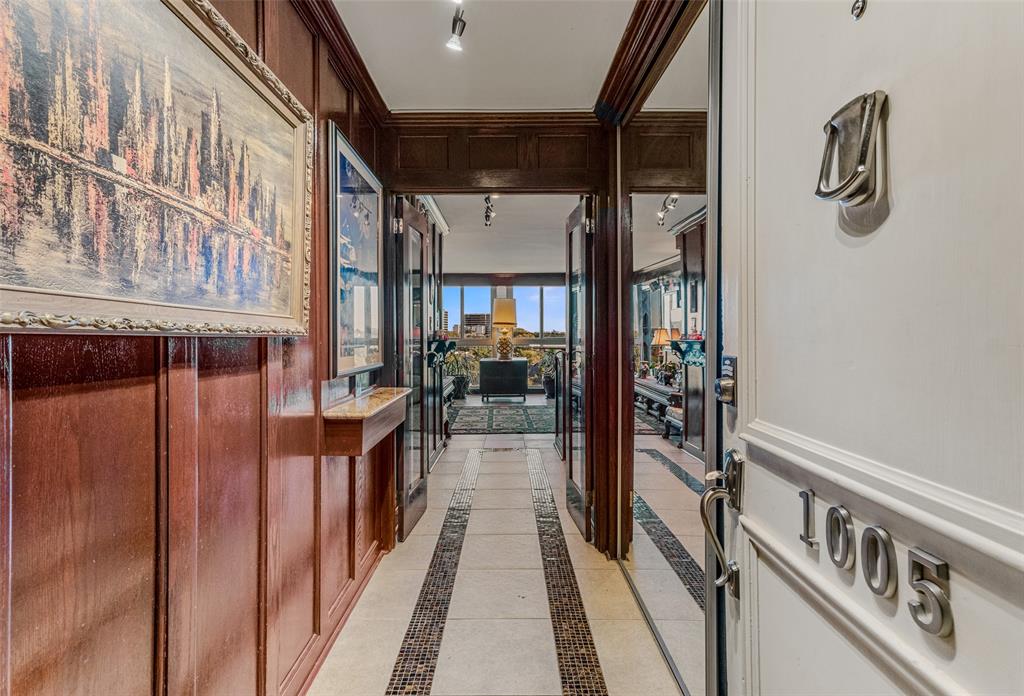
(679, 472)
(414, 668)
(578, 664)
(686, 568)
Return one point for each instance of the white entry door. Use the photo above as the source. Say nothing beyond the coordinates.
(880, 372)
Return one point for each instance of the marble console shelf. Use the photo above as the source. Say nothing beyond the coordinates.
(352, 428)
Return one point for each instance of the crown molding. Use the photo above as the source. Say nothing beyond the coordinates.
(655, 31)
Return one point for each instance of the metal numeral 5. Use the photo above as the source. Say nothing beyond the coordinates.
(929, 578)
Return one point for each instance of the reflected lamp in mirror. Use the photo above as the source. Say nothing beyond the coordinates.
(659, 341)
(503, 318)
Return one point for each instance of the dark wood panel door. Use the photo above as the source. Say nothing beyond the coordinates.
(413, 460)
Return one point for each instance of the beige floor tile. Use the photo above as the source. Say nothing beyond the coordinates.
(412, 554)
(676, 497)
(484, 481)
(659, 481)
(498, 551)
(503, 656)
(437, 497)
(444, 480)
(630, 659)
(509, 467)
(665, 596)
(510, 521)
(430, 522)
(454, 455)
(584, 555)
(682, 522)
(511, 456)
(361, 660)
(499, 594)
(685, 641)
(645, 555)
(390, 594)
(502, 498)
(695, 545)
(442, 467)
(606, 595)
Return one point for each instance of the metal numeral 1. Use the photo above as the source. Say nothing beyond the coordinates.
(929, 578)
(838, 535)
(807, 536)
(878, 560)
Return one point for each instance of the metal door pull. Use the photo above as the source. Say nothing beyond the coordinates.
(853, 133)
(730, 490)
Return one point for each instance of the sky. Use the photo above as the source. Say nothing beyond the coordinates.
(478, 301)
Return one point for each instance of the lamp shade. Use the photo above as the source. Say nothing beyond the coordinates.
(660, 338)
(504, 313)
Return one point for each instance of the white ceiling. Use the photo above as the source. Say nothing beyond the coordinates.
(684, 85)
(521, 55)
(527, 234)
(651, 242)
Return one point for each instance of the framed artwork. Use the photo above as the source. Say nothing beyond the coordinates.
(356, 258)
(155, 176)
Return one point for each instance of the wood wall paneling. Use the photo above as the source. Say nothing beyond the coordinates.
(172, 525)
(82, 418)
(436, 153)
(665, 151)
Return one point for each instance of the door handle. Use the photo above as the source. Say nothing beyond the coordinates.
(731, 490)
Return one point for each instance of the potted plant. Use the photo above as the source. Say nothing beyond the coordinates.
(459, 364)
(547, 370)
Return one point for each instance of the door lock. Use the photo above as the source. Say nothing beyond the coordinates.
(725, 386)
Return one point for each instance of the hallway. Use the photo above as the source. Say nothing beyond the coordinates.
(472, 602)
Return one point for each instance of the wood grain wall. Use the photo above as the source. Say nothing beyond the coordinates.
(166, 518)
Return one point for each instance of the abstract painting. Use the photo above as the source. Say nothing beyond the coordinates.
(355, 195)
(154, 174)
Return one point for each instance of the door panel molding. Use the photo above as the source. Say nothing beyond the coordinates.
(983, 538)
(873, 637)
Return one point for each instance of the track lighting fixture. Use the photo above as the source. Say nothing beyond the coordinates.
(489, 213)
(670, 202)
(458, 26)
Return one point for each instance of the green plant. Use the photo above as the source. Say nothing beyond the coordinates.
(459, 363)
(547, 364)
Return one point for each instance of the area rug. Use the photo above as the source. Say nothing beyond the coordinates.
(510, 418)
(646, 423)
(513, 418)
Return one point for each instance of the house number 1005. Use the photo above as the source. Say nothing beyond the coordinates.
(929, 575)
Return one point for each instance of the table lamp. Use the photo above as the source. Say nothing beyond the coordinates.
(504, 319)
(660, 340)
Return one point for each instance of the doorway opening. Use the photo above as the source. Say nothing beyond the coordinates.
(504, 307)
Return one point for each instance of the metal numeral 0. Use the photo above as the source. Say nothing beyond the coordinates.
(838, 535)
(878, 561)
(932, 612)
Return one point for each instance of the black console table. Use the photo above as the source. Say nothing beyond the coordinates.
(503, 377)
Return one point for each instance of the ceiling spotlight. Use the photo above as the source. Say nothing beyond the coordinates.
(668, 204)
(458, 26)
(489, 213)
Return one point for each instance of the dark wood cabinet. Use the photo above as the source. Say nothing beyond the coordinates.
(503, 377)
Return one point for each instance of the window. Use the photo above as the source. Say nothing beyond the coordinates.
(451, 316)
(476, 309)
(527, 311)
(554, 310)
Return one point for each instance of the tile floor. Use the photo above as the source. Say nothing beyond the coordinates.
(677, 616)
(498, 637)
